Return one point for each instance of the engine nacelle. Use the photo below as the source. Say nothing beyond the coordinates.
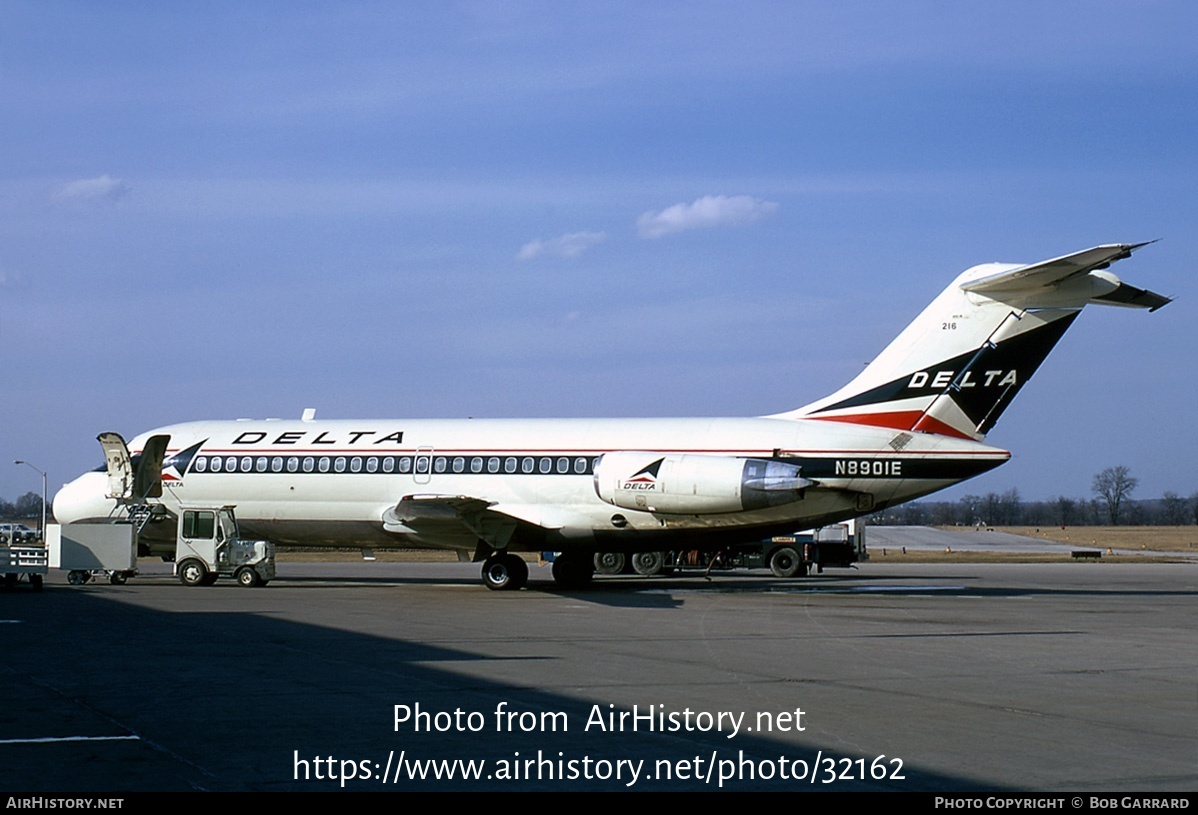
(695, 484)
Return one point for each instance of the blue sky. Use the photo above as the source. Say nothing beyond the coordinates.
(217, 210)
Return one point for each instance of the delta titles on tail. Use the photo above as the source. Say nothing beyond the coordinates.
(911, 423)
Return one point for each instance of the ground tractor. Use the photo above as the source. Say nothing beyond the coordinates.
(208, 547)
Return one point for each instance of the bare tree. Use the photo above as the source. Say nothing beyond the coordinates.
(1174, 509)
(1112, 486)
(28, 505)
(1065, 510)
(971, 508)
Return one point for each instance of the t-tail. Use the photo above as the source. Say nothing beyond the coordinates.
(956, 368)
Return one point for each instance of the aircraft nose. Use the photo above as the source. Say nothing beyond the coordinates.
(83, 499)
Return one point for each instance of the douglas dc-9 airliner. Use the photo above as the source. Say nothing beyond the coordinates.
(912, 422)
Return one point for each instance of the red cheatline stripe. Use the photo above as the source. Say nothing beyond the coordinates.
(898, 420)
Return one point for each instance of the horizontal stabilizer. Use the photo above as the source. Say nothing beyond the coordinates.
(1127, 295)
(1050, 272)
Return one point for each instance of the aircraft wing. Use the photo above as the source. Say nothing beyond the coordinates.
(452, 521)
(460, 521)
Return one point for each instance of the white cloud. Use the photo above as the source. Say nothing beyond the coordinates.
(104, 188)
(567, 246)
(704, 213)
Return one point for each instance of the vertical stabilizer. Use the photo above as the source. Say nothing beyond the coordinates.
(956, 368)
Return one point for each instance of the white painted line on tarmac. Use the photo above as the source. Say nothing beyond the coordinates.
(50, 739)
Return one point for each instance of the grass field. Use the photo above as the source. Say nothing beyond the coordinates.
(1148, 538)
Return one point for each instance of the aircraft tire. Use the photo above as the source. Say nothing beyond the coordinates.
(505, 572)
(610, 562)
(573, 571)
(648, 563)
(247, 577)
(785, 562)
(192, 573)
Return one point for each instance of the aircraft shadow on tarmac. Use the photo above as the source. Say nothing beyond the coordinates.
(245, 700)
(668, 591)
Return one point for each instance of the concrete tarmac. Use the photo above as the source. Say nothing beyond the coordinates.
(1049, 677)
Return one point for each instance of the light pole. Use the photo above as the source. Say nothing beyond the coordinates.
(41, 531)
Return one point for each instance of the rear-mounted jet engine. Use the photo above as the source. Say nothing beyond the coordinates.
(693, 484)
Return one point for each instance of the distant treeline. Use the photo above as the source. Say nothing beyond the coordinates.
(1006, 509)
(28, 505)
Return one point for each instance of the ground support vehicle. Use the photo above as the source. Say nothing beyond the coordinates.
(837, 545)
(834, 546)
(23, 560)
(88, 551)
(208, 547)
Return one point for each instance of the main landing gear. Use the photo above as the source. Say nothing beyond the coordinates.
(504, 571)
(574, 570)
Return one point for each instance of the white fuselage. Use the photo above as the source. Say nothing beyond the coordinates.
(335, 482)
